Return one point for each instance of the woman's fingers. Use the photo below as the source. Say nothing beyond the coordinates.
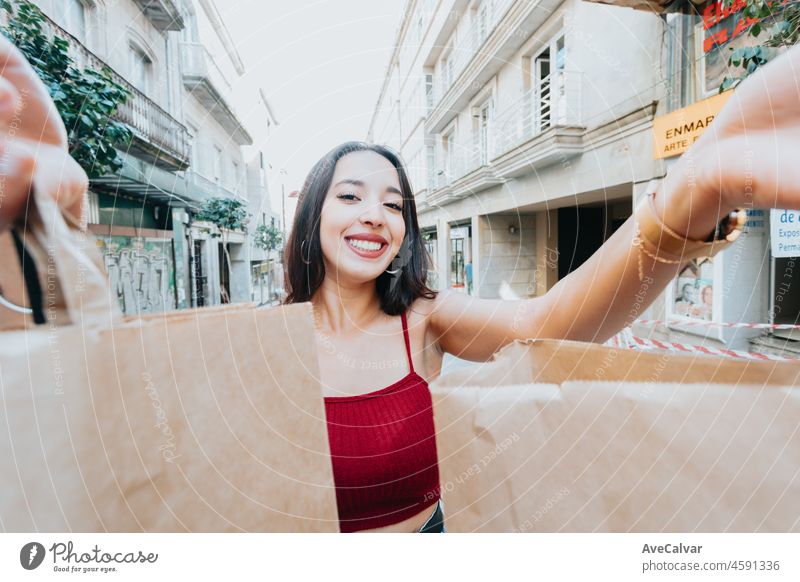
(10, 102)
(16, 177)
(58, 173)
(37, 116)
(25, 165)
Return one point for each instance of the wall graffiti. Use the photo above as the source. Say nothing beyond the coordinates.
(141, 271)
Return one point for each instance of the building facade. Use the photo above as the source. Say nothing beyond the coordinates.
(746, 283)
(528, 129)
(176, 59)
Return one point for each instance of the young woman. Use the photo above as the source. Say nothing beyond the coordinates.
(356, 254)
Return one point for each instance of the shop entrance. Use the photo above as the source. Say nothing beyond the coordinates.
(461, 258)
(583, 229)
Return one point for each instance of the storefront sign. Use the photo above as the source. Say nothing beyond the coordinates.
(785, 233)
(724, 29)
(725, 23)
(675, 132)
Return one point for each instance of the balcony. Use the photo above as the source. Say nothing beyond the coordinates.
(204, 84)
(466, 173)
(164, 14)
(200, 188)
(543, 127)
(462, 52)
(158, 137)
(482, 52)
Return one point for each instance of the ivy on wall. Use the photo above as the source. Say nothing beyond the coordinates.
(86, 99)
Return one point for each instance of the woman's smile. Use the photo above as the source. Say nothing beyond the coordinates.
(368, 246)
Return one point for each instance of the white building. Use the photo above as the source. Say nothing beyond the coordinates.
(528, 130)
(180, 65)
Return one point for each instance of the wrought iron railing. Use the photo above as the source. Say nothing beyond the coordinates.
(143, 115)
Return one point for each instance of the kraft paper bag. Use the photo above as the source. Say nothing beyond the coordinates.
(200, 420)
(571, 437)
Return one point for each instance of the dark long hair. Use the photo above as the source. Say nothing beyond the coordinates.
(303, 261)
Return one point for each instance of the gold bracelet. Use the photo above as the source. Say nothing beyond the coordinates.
(675, 248)
(638, 241)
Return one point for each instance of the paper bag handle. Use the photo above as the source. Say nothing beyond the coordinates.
(71, 275)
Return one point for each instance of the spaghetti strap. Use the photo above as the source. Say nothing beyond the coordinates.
(408, 343)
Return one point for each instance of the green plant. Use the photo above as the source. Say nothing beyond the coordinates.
(225, 213)
(86, 99)
(268, 238)
(783, 33)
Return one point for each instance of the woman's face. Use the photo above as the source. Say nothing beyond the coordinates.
(362, 226)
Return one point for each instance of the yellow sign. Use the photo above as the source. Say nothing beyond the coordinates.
(675, 132)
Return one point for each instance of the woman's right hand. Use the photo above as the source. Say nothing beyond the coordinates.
(33, 142)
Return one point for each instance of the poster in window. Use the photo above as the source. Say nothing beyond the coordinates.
(694, 291)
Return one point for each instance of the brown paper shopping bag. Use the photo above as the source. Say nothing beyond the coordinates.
(190, 421)
(571, 437)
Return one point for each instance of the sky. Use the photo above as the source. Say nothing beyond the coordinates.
(321, 64)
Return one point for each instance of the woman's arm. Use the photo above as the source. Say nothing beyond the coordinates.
(749, 157)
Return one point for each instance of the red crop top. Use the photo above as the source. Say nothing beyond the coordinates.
(383, 450)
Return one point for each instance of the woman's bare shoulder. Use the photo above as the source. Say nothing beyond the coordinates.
(423, 307)
(420, 314)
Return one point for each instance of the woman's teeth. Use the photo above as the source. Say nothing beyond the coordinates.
(364, 245)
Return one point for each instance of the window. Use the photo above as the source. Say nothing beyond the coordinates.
(549, 103)
(429, 92)
(722, 30)
(448, 157)
(484, 114)
(431, 163)
(141, 69)
(447, 71)
(217, 165)
(483, 23)
(194, 148)
(72, 14)
(234, 177)
(693, 292)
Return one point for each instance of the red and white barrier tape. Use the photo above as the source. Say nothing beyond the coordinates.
(626, 339)
(692, 323)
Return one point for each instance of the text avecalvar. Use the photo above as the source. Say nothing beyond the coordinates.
(671, 549)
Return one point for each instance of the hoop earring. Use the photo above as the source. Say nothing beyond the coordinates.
(302, 258)
(394, 272)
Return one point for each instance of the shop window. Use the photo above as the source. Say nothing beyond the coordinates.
(693, 291)
(461, 258)
(722, 30)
